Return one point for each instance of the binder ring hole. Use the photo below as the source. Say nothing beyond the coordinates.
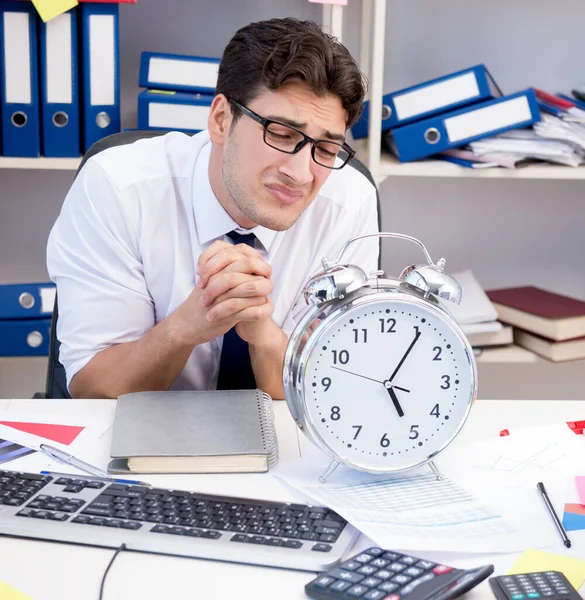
(60, 119)
(19, 119)
(34, 339)
(386, 112)
(26, 300)
(432, 135)
(102, 120)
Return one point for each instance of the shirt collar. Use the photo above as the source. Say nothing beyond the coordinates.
(212, 221)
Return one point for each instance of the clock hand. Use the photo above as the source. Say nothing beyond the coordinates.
(405, 355)
(395, 402)
(376, 380)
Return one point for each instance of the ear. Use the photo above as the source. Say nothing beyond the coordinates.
(220, 119)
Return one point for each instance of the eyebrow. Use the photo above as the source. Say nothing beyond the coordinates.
(326, 133)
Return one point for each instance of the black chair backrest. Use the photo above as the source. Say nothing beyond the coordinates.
(56, 384)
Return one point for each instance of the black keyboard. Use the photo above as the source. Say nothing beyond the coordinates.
(90, 511)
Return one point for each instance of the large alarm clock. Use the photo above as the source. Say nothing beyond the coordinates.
(377, 372)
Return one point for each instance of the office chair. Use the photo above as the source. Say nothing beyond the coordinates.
(56, 383)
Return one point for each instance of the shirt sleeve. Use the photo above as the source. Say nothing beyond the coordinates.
(93, 257)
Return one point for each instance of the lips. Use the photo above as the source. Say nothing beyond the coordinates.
(284, 194)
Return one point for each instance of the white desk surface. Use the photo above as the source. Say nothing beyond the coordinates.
(51, 571)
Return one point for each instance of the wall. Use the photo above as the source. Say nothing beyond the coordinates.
(508, 232)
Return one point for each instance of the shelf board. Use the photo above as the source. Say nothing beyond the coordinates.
(59, 164)
(390, 167)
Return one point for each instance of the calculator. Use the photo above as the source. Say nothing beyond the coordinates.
(548, 585)
(377, 574)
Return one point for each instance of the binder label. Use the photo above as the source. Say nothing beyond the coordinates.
(182, 72)
(48, 295)
(102, 61)
(491, 118)
(177, 116)
(17, 57)
(59, 60)
(444, 93)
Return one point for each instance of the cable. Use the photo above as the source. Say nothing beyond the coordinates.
(118, 550)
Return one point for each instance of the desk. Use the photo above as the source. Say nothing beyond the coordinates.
(50, 571)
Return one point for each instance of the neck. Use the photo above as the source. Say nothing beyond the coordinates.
(222, 193)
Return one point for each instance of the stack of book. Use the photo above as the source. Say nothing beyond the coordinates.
(549, 324)
(477, 316)
(449, 112)
(179, 91)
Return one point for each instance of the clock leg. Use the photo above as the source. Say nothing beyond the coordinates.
(435, 469)
(332, 466)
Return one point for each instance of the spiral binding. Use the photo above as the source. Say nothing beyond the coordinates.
(266, 416)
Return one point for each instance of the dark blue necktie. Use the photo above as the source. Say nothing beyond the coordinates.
(235, 366)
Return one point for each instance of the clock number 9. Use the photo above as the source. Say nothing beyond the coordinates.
(384, 442)
(326, 383)
(447, 381)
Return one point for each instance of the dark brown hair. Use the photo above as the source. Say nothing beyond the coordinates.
(278, 51)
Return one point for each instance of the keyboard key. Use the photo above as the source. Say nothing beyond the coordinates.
(371, 581)
(363, 557)
(340, 586)
(367, 570)
(321, 548)
(351, 576)
(323, 581)
(350, 565)
(292, 544)
(388, 587)
(357, 591)
(212, 535)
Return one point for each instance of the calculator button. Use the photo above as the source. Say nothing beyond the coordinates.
(517, 596)
(350, 565)
(401, 579)
(374, 595)
(548, 592)
(363, 558)
(384, 574)
(408, 560)
(366, 570)
(379, 563)
(340, 586)
(388, 587)
(323, 581)
(391, 555)
(413, 571)
(397, 567)
(442, 569)
(533, 595)
(357, 591)
(346, 575)
(424, 564)
(375, 551)
(371, 581)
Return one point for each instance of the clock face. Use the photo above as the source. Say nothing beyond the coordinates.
(388, 384)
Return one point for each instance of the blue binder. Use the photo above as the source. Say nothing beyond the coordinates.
(19, 80)
(176, 111)
(29, 337)
(178, 72)
(27, 300)
(459, 127)
(432, 97)
(59, 86)
(100, 51)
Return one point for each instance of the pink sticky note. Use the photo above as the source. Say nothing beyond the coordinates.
(336, 2)
(580, 481)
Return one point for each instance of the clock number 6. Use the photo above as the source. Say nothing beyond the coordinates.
(384, 442)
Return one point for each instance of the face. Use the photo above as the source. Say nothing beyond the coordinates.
(257, 184)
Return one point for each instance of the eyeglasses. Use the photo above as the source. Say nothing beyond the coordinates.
(290, 140)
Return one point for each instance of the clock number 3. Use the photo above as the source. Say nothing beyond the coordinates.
(447, 381)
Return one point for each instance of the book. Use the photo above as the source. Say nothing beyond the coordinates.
(548, 314)
(492, 338)
(227, 431)
(555, 351)
(506, 354)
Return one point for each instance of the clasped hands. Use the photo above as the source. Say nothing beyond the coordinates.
(232, 290)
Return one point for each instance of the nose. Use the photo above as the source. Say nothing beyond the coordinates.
(298, 167)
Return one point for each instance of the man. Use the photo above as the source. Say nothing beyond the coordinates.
(145, 254)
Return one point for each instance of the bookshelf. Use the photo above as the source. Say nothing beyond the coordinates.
(59, 164)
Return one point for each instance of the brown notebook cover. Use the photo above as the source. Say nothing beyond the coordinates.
(539, 302)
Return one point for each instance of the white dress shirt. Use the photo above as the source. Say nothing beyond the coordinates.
(125, 246)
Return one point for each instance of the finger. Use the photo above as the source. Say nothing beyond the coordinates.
(228, 308)
(216, 247)
(256, 313)
(235, 285)
(226, 257)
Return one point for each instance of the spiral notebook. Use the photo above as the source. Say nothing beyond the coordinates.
(228, 431)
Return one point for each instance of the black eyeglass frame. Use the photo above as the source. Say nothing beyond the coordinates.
(306, 139)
